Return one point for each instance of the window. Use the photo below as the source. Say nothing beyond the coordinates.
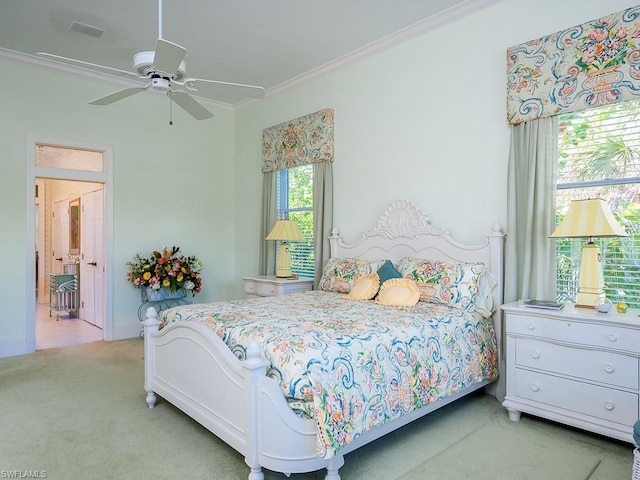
(294, 198)
(599, 156)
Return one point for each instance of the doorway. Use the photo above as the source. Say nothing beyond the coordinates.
(73, 218)
(69, 248)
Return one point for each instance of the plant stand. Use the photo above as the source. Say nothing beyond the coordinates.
(160, 299)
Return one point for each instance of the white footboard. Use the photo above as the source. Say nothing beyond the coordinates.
(190, 367)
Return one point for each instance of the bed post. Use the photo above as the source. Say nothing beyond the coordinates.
(256, 368)
(151, 325)
(333, 241)
(496, 247)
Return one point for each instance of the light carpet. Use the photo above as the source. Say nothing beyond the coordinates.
(79, 413)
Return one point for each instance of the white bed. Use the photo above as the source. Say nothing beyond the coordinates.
(188, 365)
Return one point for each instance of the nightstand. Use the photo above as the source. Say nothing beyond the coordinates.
(574, 366)
(272, 286)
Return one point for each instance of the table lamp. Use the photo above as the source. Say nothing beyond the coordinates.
(284, 230)
(590, 217)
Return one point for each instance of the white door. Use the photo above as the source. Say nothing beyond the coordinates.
(92, 274)
(60, 235)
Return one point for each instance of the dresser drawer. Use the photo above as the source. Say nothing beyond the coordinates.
(567, 330)
(268, 290)
(270, 286)
(261, 289)
(595, 365)
(251, 288)
(605, 403)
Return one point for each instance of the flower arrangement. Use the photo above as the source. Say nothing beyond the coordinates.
(169, 269)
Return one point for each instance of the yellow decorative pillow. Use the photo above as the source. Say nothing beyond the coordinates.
(398, 292)
(365, 287)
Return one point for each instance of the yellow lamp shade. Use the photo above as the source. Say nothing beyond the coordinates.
(285, 230)
(591, 217)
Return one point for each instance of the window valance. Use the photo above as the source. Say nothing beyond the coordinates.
(593, 64)
(301, 141)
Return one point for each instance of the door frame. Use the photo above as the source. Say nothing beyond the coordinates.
(105, 177)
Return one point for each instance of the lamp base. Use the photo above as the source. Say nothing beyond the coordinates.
(589, 300)
(591, 288)
(283, 269)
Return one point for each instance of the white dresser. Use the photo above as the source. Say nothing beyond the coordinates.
(272, 286)
(575, 366)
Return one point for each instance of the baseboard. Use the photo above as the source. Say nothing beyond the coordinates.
(127, 331)
(12, 348)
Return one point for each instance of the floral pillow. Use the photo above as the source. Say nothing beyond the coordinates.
(340, 273)
(451, 283)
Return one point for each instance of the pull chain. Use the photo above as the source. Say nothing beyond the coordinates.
(170, 110)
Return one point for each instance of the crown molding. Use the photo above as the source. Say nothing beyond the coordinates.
(428, 24)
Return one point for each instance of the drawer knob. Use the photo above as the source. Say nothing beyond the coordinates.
(609, 368)
(608, 406)
(535, 387)
(612, 338)
(535, 355)
(531, 326)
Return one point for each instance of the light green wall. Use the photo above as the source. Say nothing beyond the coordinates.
(424, 121)
(172, 185)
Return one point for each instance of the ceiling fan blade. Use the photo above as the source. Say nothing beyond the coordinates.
(92, 66)
(215, 88)
(119, 95)
(190, 105)
(168, 57)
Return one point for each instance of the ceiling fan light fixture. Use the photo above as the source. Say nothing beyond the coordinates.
(143, 65)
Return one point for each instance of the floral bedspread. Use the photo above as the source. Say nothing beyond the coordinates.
(357, 363)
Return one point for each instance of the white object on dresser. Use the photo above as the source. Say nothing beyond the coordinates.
(272, 286)
(575, 366)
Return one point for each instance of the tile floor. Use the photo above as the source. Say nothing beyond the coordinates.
(63, 332)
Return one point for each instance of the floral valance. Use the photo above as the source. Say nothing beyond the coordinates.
(301, 141)
(593, 64)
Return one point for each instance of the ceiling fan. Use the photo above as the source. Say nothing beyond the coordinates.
(164, 70)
